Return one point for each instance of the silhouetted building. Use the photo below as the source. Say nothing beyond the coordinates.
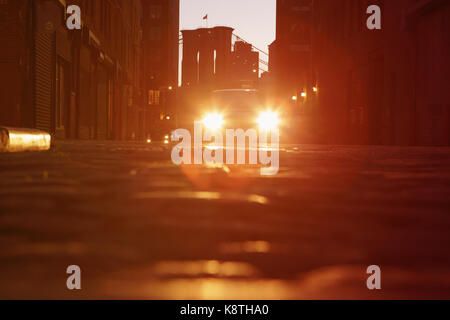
(110, 63)
(387, 86)
(161, 52)
(290, 53)
(209, 63)
(206, 65)
(222, 45)
(245, 65)
(73, 83)
(207, 57)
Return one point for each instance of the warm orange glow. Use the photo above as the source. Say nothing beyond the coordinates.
(204, 195)
(315, 89)
(303, 94)
(204, 268)
(268, 120)
(245, 247)
(294, 98)
(16, 140)
(213, 121)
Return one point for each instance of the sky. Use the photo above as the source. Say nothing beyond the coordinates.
(253, 20)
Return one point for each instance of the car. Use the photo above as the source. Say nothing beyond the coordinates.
(239, 109)
(160, 136)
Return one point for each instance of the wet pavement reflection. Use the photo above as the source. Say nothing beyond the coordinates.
(140, 227)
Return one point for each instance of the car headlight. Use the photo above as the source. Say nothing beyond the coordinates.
(213, 121)
(268, 120)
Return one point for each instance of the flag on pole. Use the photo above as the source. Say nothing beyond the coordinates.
(205, 17)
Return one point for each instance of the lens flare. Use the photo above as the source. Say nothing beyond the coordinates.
(213, 121)
(268, 120)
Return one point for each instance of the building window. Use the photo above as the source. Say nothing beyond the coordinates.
(153, 97)
(155, 12)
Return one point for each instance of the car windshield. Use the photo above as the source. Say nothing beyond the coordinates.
(238, 98)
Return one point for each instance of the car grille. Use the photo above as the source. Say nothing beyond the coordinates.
(240, 118)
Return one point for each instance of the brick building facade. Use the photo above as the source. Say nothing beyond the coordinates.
(161, 52)
(366, 86)
(86, 84)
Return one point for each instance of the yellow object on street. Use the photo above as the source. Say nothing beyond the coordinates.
(21, 139)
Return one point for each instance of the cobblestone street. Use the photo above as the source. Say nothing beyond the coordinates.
(140, 227)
